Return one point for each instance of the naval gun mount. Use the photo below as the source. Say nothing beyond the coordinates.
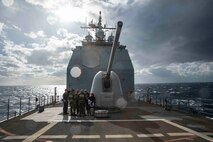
(106, 84)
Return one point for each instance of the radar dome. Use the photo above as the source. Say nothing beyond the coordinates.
(100, 34)
(89, 38)
(110, 38)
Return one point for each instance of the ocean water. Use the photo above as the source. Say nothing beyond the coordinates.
(193, 98)
(27, 94)
(185, 90)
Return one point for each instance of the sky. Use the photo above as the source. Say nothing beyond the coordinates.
(168, 40)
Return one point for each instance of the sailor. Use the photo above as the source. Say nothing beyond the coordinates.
(81, 103)
(71, 102)
(167, 104)
(86, 93)
(37, 104)
(65, 102)
(76, 101)
(92, 103)
(148, 97)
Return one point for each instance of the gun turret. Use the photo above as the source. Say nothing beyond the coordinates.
(106, 84)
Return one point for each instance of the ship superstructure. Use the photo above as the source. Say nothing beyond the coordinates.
(93, 56)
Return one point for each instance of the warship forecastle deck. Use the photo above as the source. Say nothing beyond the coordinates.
(141, 122)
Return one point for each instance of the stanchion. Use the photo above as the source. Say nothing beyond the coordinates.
(29, 104)
(8, 108)
(20, 107)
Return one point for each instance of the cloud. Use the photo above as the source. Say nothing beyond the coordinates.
(35, 34)
(7, 3)
(49, 4)
(39, 57)
(46, 57)
(17, 51)
(54, 50)
(16, 27)
(66, 11)
(52, 19)
(165, 32)
(168, 41)
(176, 72)
(10, 67)
(2, 28)
(192, 69)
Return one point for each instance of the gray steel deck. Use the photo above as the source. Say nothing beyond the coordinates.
(141, 122)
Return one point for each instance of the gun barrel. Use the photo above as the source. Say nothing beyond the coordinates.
(112, 54)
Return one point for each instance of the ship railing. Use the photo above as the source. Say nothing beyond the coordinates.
(17, 106)
(197, 106)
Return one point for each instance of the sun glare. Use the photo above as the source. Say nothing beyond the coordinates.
(70, 14)
(7, 3)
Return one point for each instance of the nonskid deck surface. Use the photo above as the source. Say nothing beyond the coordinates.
(137, 123)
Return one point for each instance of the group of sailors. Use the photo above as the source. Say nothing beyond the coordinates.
(81, 102)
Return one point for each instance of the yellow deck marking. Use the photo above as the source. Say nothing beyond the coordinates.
(39, 133)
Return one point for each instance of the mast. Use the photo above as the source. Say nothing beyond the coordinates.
(99, 30)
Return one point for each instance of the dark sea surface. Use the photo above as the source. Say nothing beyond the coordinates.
(185, 90)
(27, 94)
